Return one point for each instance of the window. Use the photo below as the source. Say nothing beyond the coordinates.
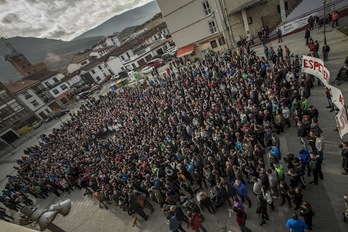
(99, 67)
(212, 26)
(48, 84)
(5, 97)
(84, 63)
(15, 106)
(221, 41)
(63, 87)
(6, 111)
(98, 78)
(55, 79)
(250, 20)
(34, 103)
(213, 44)
(64, 101)
(92, 71)
(206, 7)
(55, 91)
(27, 95)
(122, 58)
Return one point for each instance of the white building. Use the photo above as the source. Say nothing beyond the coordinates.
(112, 40)
(35, 96)
(96, 70)
(195, 26)
(79, 60)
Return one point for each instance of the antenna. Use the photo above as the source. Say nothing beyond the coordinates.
(5, 41)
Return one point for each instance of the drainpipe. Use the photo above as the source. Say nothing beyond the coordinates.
(282, 10)
(227, 21)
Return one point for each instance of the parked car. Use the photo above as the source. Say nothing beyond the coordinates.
(123, 73)
(155, 63)
(95, 88)
(115, 77)
(37, 124)
(147, 70)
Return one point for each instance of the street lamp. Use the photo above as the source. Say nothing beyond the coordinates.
(324, 2)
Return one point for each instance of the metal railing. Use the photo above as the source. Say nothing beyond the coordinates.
(330, 7)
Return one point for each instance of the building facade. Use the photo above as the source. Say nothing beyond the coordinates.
(200, 25)
(14, 114)
(195, 26)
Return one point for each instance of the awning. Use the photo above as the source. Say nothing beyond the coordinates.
(184, 51)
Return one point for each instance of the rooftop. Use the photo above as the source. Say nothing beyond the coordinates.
(21, 85)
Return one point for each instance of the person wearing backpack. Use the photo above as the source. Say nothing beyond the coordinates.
(305, 159)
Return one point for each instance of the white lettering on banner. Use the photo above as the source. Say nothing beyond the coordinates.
(336, 96)
(293, 25)
(342, 122)
(315, 66)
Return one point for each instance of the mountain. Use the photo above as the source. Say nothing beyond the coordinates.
(130, 18)
(56, 54)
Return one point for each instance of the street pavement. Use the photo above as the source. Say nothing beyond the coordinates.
(326, 197)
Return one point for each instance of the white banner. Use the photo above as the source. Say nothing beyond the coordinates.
(336, 96)
(293, 25)
(315, 66)
(342, 122)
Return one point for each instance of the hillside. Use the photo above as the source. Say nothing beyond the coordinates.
(130, 18)
(56, 54)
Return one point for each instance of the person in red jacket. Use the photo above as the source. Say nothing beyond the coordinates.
(241, 219)
(335, 17)
(195, 221)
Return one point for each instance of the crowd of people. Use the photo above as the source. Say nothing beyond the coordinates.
(208, 130)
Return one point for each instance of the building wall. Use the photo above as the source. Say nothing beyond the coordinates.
(54, 80)
(14, 113)
(73, 67)
(114, 64)
(34, 102)
(193, 24)
(74, 80)
(24, 67)
(99, 73)
(60, 89)
(262, 14)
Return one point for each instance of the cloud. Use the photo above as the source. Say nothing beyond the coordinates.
(10, 18)
(59, 19)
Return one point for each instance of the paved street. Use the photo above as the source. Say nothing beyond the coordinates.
(326, 198)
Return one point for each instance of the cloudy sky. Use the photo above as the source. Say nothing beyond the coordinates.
(58, 19)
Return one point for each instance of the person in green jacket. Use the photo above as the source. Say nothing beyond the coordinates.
(304, 103)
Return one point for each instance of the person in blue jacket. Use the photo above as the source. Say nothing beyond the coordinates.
(242, 191)
(295, 224)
